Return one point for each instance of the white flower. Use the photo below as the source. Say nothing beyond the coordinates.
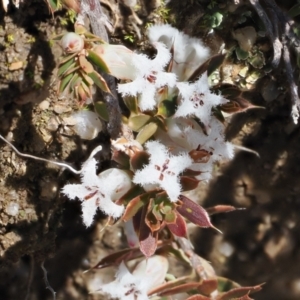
(185, 135)
(162, 170)
(148, 77)
(147, 274)
(118, 59)
(189, 53)
(86, 124)
(197, 99)
(99, 191)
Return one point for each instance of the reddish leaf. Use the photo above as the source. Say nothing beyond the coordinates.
(148, 240)
(85, 65)
(183, 288)
(189, 172)
(134, 205)
(221, 209)
(117, 257)
(200, 156)
(210, 65)
(121, 158)
(239, 292)
(188, 183)
(194, 212)
(139, 159)
(167, 285)
(135, 191)
(179, 228)
(208, 286)
(150, 218)
(198, 297)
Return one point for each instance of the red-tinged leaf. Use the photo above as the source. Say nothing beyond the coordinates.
(188, 183)
(225, 284)
(237, 105)
(221, 209)
(194, 212)
(179, 228)
(86, 78)
(139, 159)
(239, 292)
(135, 191)
(150, 218)
(208, 286)
(86, 89)
(117, 257)
(147, 239)
(210, 65)
(183, 288)
(137, 220)
(85, 65)
(152, 222)
(121, 158)
(99, 81)
(134, 205)
(199, 156)
(198, 297)
(167, 285)
(82, 94)
(191, 173)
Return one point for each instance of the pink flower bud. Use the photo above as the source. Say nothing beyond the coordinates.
(72, 42)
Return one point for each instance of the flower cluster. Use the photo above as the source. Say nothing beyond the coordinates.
(174, 135)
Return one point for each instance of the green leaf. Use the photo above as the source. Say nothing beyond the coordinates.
(101, 110)
(64, 67)
(131, 103)
(99, 81)
(137, 122)
(241, 54)
(64, 82)
(217, 19)
(98, 61)
(67, 58)
(146, 133)
(170, 217)
(257, 60)
(294, 11)
(167, 107)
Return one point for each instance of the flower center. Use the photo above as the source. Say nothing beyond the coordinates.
(197, 100)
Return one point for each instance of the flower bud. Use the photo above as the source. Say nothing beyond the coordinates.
(72, 42)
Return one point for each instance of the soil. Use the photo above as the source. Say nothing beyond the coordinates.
(41, 228)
